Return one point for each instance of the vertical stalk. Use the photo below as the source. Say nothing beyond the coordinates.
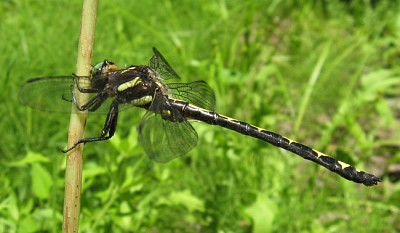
(73, 172)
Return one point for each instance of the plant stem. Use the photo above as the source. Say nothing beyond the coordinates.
(73, 172)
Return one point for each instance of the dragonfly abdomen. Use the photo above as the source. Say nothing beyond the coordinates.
(343, 169)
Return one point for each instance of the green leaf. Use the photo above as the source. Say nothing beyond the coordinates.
(185, 198)
(30, 158)
(41, 181)
(11, 204)
(29, 224)
(262, 212)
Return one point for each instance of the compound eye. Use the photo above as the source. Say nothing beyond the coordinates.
(98, 68)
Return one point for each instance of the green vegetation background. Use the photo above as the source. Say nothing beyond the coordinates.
(325, 73)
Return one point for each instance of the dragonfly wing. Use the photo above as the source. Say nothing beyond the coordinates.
(47, 93)
(165, 140)
(53, 94)
(198, 93)
(162, 139)
(161, 65)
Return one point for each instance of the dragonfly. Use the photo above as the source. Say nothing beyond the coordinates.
(164, 131)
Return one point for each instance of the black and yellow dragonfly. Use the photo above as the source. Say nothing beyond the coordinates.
(164, 130)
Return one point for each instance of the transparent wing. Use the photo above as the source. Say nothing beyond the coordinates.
(162, 139)
(198, 93)
(165, 140)
(53, 93)
(47, 93)
(159, 63)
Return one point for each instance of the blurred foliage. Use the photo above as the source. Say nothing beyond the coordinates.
(322, 72)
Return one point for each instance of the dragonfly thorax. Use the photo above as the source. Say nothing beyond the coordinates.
(133, 86)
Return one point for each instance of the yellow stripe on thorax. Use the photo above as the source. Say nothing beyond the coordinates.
(129, 84)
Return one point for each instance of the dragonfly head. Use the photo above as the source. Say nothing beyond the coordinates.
(104, 67)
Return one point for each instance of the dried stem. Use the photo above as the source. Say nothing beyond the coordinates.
(73, 173)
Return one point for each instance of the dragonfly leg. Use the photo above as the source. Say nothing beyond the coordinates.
(92, 105)
(108, 130)
(82, 89)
